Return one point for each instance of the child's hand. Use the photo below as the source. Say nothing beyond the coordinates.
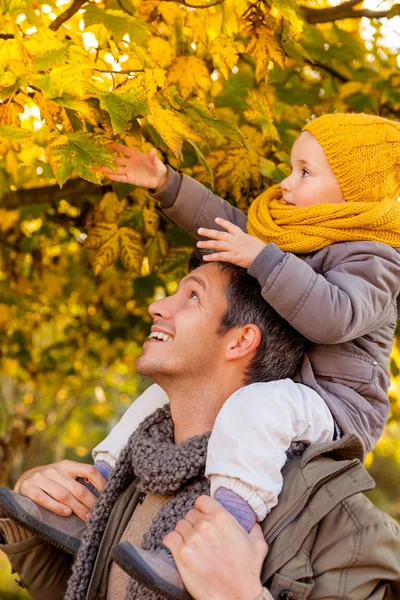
(233, 246)
(138, 168)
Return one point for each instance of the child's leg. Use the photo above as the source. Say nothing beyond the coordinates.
(247, 448)
(106, 453)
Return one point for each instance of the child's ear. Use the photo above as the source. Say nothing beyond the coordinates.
(243, 342)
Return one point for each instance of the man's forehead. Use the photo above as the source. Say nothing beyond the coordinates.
(210, 277)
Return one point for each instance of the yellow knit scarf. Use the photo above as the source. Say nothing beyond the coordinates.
(303, 230)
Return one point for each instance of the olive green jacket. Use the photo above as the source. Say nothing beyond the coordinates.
(326, 540)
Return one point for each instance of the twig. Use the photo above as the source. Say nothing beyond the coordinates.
(190, 5)
(345, 11)
(6, 36)
(328, 69)
(67, 14)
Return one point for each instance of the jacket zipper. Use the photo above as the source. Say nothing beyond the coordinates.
(307, 497)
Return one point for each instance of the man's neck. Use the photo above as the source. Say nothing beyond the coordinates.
(195, 406)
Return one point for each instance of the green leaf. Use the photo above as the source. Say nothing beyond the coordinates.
(14, 133)
(202, 118)
(123, 104)
(132, 216)
(118, 22)
(82, 153)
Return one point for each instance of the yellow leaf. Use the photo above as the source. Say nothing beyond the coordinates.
(98, 235)
(10, 52)
(71, 79)
(227, 50)
(8, 218)
(106, 255)
(111, 207)
(191, 75)
(12, 166)
(264, 47)
(132, 251)
(151, 221)
(7, 79)
(171, 128)
(42, 42)
(160, 51)
(351, 87)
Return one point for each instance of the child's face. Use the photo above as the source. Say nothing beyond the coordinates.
(312, 180)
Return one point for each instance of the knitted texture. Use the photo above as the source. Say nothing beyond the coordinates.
(364, 153)
(163, 468)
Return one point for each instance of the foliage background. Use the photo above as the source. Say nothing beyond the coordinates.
(221, 89)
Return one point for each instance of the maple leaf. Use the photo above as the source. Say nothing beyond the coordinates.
(14, 134)
(173, 129)
(191, 75)
(160, 51)
(260, 113)
(227, 51)
(82, 153)
(124, 103)
(131, 247)
(264, 47)
(118, 22)
(156, 249)
(99, 234)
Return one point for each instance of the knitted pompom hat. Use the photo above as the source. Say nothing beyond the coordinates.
(364, 153)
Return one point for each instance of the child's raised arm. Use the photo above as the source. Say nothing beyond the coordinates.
(187, 202)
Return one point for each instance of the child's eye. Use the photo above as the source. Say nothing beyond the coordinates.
(304, 173)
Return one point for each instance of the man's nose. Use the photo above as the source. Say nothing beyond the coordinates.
(162, 308)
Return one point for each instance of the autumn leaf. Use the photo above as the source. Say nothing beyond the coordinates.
(14, 134)
(124, 103)
(173, 129)
(118, 22)
(81, 153)
(156, 249)
(191, 75)
(132, 250)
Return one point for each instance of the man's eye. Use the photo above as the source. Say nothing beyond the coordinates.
(194, 295)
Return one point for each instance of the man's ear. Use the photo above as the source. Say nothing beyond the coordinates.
(243, 342)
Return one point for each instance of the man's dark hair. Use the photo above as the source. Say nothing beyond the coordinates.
(282, 348)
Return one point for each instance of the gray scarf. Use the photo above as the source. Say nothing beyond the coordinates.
(163, 468)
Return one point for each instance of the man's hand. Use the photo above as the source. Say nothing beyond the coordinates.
(233, 246)
(216, 558)
(138, 169)
(54, 487)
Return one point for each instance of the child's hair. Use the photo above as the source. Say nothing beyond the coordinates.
(364, 153)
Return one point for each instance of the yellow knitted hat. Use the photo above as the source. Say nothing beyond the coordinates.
(364, 153)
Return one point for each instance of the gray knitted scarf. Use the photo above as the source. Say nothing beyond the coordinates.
(163, 468)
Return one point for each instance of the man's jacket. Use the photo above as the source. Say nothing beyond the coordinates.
(326, 540)
(343, 298)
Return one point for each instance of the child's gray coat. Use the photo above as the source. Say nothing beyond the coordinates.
(343, 298)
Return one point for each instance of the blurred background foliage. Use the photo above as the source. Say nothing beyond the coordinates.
(221, 88)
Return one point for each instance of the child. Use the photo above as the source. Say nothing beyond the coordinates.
(338, 211)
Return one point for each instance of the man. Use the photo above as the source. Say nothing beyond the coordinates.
(199, 369)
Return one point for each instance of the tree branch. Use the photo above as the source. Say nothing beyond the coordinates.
(52, 194)
(345, 11)
(328, 69)
(190, 5)
(6, 36)
(67, 14)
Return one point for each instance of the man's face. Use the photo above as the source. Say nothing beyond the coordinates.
(184, 340)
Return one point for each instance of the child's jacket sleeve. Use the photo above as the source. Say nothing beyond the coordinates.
(341, 293)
